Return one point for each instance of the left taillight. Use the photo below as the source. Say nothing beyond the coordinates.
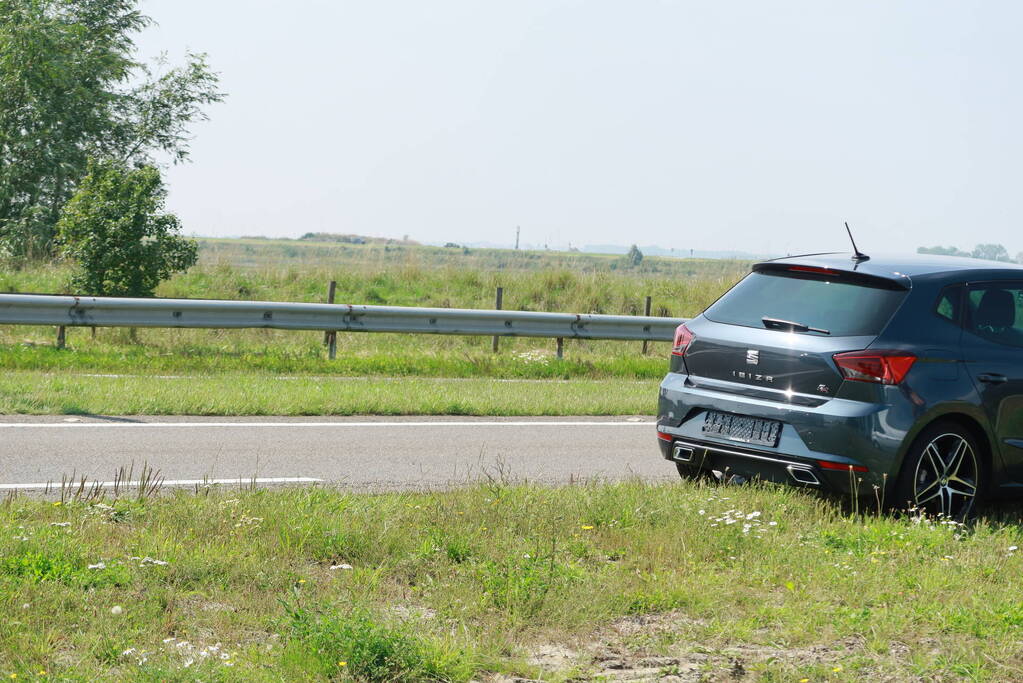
(879, 367)
(683, 338)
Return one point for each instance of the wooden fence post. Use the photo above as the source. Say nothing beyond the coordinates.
(561, 348)
(497, 305)
(647, 313)
(61, 337)
(330, 337)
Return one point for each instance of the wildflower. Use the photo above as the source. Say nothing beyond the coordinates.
(1013, 548)
(837, 668)
(116, 610)
(341, 566)
(587, 527)
(804, 680)
(342, 663)
(56, 504)
(301, 580)
(61, 524)
(98, 565)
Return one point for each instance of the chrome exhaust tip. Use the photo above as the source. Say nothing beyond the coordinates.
(682, 453)
(803, 475)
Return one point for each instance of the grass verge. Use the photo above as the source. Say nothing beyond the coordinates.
(599, 580)
(255, 394)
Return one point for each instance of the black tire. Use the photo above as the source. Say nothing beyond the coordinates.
(943, 473)
(689, 472)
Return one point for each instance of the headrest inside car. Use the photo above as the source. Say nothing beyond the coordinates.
(997, 309)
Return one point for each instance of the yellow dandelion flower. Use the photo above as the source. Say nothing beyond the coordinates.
(587, 527)
(342, 663)
(301, 580)
(837, 668)
(804, 680)
(56, 504)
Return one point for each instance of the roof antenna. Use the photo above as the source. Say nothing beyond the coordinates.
(858, 255)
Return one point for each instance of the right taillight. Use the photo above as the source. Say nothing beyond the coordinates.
(880, 367)
(683, 338)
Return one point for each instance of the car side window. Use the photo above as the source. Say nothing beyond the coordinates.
(949, 303)
(995, 312)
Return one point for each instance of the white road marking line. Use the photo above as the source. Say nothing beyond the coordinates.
(72, 425)
(167, 482)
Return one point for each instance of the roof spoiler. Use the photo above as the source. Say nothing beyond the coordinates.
(812, 272)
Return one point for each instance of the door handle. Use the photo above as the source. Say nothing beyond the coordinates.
(992, 378)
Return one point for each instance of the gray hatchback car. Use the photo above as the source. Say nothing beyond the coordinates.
(844, 373)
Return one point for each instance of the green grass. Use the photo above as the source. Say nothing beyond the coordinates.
(247, 394)
(453, 585)
(399, 356)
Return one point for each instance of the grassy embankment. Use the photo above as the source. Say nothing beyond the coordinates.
(239, 371)
(599, 580)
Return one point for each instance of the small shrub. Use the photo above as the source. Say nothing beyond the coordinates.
(37, 567)
(356, 644)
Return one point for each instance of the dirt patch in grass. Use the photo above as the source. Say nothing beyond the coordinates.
(653, 647)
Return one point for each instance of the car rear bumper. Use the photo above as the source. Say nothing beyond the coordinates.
(822, 440)
(728, 461)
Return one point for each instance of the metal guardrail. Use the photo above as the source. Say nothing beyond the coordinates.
(37, 309)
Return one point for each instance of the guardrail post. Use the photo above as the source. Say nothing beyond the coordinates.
(61, 336)
(330, 337)
(646, 310)
(561, 348)
(497, 305)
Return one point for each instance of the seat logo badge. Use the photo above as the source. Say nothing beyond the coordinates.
(823, 388)
(752, 357)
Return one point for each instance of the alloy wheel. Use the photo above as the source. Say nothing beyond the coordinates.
(946, 477)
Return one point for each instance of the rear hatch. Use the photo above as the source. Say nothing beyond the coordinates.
(773, 335)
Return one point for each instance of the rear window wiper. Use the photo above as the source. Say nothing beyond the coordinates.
(779, 324)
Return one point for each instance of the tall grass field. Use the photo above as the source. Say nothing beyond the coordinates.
(41, 378)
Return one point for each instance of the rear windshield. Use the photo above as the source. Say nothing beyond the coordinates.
(842, 308)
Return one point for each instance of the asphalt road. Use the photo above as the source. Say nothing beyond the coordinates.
(366, 453)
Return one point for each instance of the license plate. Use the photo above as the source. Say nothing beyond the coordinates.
(752, 430)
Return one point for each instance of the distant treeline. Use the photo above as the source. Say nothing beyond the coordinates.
(353, 239)
(990, 252)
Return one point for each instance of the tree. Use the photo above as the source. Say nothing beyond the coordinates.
(991, 252)
(635, 256)
(71, 90)
(115, 230)
(942, 251)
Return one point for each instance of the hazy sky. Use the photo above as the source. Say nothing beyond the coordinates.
(710, 125)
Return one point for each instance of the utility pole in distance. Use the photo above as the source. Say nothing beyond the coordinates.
(518, 229)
